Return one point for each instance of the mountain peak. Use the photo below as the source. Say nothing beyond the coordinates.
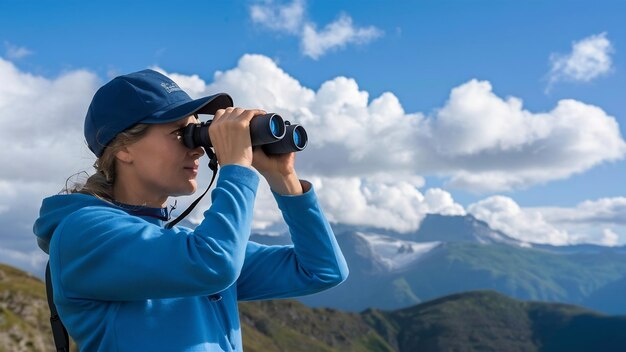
(461, 228)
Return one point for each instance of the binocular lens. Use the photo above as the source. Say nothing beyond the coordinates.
(298, 138)
(295, 140)
(274, 127)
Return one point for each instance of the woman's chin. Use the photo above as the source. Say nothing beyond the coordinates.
(189, 189)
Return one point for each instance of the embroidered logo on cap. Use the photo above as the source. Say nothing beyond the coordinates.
(171, 87)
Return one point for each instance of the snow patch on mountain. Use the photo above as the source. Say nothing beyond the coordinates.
(397, 254)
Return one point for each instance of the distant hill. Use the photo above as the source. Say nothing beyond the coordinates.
(611, 297)
(24, 318)
(287, 325)
(452, 254)
(472, 321)
(489, 321)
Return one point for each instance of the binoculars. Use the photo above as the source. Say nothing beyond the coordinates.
(270, 131)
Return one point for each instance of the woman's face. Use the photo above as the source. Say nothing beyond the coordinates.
(161, 164)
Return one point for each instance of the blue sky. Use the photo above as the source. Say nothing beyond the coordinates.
(419, 51)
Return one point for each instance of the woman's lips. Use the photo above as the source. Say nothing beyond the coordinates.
(193, 170)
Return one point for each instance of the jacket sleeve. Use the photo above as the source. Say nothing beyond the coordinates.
(312, 264)
(105, 254)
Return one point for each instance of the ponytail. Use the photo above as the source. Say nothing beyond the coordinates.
(101, 183)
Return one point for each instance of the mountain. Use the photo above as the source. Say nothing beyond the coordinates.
(472, 321)
(286, 325)
(489, 321)
(24, 314)
(375, 278)
(451, 254)
(445, 228)
(610, 297)
(581, 248)
(436, 227)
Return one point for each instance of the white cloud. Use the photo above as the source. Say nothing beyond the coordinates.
(482, 142)
(503, 213)
(600, 222)
(600, 212)
(279, 18)
(609, 238)
(42, 123)
(590, 58)
(498, 145)
(14, 52)
(337, 34)
(291, 19)
(397, 205)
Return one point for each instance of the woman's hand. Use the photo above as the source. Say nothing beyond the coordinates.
(230, 135)
(275, 165)
(279, 171)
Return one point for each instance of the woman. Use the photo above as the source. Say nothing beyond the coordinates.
(124, 282)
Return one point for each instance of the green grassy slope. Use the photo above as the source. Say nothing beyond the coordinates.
(471, 321)
(24, 315)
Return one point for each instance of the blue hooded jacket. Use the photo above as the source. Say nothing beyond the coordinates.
(122, 282)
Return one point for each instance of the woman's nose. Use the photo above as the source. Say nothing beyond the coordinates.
(199, 151)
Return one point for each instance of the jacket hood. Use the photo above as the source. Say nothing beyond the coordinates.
(54, 209)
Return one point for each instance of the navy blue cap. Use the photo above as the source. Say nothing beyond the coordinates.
(141, 97)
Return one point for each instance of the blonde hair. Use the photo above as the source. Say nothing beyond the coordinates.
(101, 183)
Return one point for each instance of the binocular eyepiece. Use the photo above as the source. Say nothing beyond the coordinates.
(270, 131)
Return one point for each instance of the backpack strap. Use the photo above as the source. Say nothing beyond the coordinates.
(59, 333)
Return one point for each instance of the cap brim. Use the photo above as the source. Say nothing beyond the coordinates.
(205, 105)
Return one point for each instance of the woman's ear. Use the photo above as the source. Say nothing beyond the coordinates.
(124, 155)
